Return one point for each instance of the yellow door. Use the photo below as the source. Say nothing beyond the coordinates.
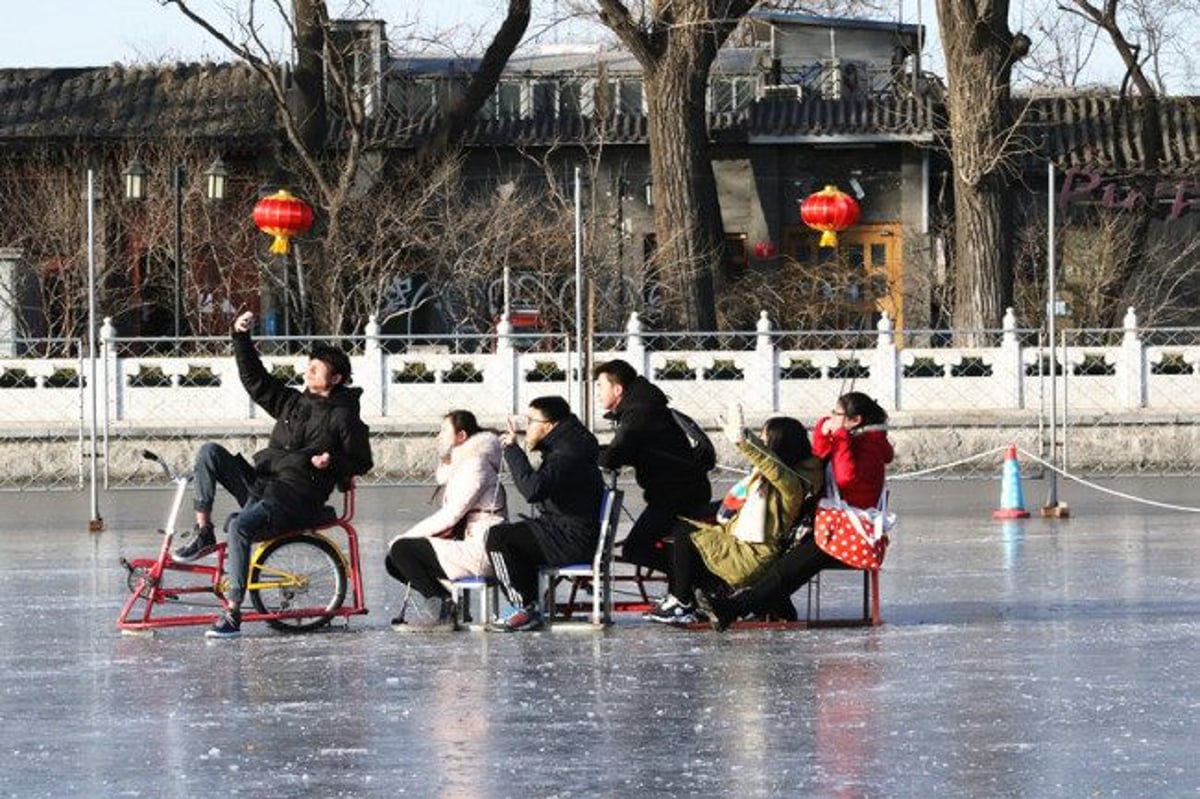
(859, 279)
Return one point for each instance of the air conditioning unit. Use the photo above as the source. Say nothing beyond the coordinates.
(790, 92)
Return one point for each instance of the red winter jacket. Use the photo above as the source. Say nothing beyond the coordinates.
(858, 458)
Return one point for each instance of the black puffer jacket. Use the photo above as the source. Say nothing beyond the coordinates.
(305, 425)
(648, 439)
(566, 488)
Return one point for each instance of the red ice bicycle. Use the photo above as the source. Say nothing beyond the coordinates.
(298, 581)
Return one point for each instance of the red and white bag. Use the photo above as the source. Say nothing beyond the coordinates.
(858, 537)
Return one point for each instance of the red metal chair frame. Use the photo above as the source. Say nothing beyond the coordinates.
(152, 589)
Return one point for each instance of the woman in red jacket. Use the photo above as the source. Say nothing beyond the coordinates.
(853, 441)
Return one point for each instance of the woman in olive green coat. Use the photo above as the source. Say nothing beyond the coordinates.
(730, 554)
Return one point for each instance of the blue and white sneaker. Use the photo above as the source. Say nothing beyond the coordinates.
(228, 625)
(672, 611)
(521, 619)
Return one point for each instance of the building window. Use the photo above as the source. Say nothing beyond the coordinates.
(545, 99)
(627, 94)
(414, 98)
(729, 95)
(505, 102)
(570, 100)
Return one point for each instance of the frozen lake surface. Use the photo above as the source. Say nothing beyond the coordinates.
(1040, 658)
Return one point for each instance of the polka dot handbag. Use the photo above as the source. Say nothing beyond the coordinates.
(858, 537)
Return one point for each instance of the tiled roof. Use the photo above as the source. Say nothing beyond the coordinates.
(218, 101)
(901, 117)
(1099, 132)
(229, 102)
(811, 118)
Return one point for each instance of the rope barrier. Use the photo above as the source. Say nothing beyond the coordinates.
(1103, 490)
(1036, 459)
(944, 466)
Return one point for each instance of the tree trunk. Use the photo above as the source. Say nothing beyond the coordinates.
(980, 52)
(308, 99)
(453, 122)
(676, 44)
(983, 251)
(687, 213)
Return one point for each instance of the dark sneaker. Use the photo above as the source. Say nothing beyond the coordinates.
(439, 616)
(228, 625)
(521, 619)
(672, 611)
(199, 543)
(721, 613)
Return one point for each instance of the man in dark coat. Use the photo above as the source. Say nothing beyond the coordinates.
(318, 442)
(648, 439)
(566, 488)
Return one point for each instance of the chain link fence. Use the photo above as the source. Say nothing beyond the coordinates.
(1123, 401)
(44, 409)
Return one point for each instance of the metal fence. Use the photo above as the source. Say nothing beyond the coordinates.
(1099, 401)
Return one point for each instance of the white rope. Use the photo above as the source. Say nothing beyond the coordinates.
(1031, 456)
(1102, 489)
(944, 466)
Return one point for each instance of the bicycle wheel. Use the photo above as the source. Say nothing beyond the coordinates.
(298, 572)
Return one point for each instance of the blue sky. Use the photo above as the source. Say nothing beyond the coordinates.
(40, 33)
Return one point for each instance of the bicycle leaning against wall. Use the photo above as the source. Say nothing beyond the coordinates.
(298, 581)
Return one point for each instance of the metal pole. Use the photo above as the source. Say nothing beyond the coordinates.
(178, 181)
(579, 284)
(95, 523)
(1051, 312)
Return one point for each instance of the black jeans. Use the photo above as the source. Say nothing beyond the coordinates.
(414, 561)
(644, 546)
(516, 556)
(689, 572)
(784, 577)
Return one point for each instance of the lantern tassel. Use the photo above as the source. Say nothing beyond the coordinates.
(828, 239)
(280, 245)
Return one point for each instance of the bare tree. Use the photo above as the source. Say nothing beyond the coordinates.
(676, 44)
(1061, 52)
(980, 53)
(326, 90)
(1127, 228)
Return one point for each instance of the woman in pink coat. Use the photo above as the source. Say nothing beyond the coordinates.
(449, 543)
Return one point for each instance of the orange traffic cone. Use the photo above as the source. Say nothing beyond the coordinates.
(1012, 499)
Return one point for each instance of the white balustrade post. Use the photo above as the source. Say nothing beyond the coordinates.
(1132, 366)
(500, 373)
(1009, 369)
(375, 382)
(113, 384)
(885, 365)
(635, 348)
(762, 390)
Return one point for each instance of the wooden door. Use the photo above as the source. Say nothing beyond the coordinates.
(859, 279)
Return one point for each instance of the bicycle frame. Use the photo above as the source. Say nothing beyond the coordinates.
(150, 587)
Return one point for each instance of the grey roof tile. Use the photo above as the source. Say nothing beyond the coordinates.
(221, 101)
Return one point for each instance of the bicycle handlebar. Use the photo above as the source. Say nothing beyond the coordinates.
(151, 456)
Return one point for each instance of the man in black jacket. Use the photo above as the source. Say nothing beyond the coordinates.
(567, 489)
(648, 439)
(318, 442)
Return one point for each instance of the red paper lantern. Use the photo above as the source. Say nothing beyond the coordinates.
(283, 216)
(829, 210)
(764, 250)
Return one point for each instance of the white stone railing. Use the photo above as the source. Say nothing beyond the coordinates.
(417, 387)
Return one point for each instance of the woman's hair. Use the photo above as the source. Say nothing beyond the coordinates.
(463, 422)
(787, 438)
(857, 403)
